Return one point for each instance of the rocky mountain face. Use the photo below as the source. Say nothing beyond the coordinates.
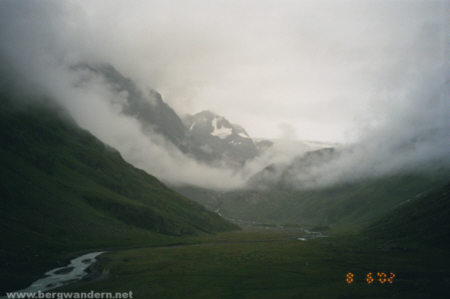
(149, 109)
(280, 175)
(220, 139)
(205, 136)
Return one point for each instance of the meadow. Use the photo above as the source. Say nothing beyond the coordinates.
(272, 263)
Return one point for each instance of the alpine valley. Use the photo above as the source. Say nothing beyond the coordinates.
(65, 192)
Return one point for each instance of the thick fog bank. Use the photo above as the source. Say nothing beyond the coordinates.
(381, 74)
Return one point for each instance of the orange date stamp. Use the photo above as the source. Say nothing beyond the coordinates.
(370, 278)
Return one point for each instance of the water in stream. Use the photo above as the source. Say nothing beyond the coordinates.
(57, 277)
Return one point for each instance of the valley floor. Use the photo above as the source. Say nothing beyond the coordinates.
(272, 263)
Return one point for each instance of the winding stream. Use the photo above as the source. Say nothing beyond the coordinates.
(309, 235)
(58, 277)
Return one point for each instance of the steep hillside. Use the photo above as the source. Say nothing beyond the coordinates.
(425, 219)
(149, 109)
(282, 175)
(223, 140)
(63, 190)
(204, 136)
(344, 206)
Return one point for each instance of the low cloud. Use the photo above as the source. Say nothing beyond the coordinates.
(388, 89)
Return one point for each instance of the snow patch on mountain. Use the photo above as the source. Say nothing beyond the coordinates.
(221, 132)
(243, 135)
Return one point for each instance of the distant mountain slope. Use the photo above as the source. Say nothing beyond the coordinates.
(424, 219)
(277, 195)
(204, 136)
(63, 190)
(282, 175)
(149, 109)
(220, 138)
(346, 206)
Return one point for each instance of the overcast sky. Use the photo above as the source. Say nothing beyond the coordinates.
(308, 69)
(304, 69)
(370, 72)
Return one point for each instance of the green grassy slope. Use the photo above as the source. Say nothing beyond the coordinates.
(349, 206)
(411, 241)
(424, 220)
(63, 190)
(271, 264)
